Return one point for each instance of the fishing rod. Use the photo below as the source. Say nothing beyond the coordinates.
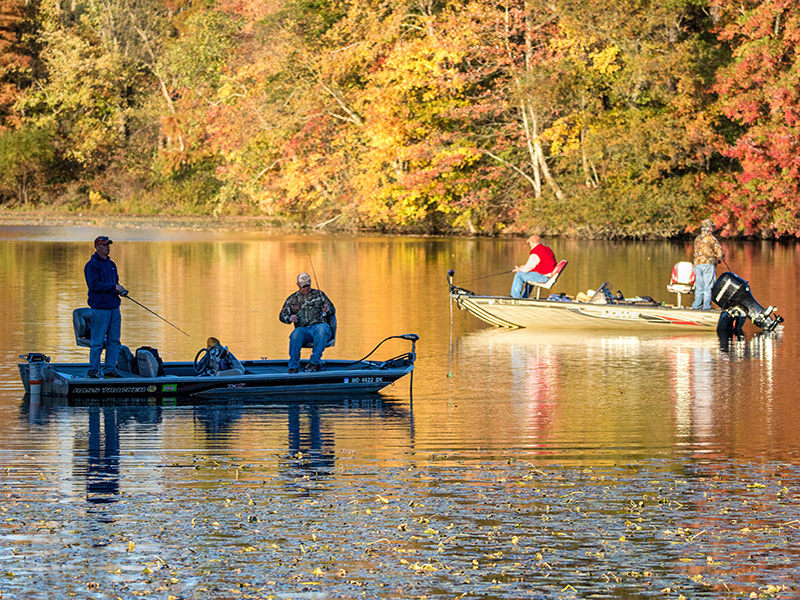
(125, 295)
(313, 271)
(727, 266)
(488, 276)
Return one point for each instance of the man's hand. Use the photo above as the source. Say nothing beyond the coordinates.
(293, 318)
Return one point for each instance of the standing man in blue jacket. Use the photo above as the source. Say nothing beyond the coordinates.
(102, 280)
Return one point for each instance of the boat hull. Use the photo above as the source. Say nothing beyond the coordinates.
(517, 313)
(261, 378)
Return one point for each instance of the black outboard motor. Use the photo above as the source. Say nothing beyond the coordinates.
(732, 294)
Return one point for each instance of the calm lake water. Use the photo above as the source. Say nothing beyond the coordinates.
(520, 465)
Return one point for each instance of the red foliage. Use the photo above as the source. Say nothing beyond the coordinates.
(760, 91)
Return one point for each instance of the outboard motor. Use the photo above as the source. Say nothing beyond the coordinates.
(732, 294)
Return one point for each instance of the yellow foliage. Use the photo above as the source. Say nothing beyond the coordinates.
(564, 134)
(96, 199)
(605, 60)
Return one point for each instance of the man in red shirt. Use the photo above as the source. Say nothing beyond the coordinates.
(541, 263)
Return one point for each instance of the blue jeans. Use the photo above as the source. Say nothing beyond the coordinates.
(318, 334)
(704, 277)
(520, 279)
(106, 330)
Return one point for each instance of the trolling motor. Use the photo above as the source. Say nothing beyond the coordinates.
(454, 289)
(732, 294)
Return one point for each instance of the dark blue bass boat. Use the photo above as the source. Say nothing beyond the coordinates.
(214, 373)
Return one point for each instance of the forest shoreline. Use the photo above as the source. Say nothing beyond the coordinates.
(269, 224)
(191, 223)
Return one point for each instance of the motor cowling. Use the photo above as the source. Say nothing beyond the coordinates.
(732, 294)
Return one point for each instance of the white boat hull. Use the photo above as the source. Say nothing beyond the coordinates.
(517, 313)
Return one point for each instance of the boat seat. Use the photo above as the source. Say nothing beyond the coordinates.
(682, 280)
(332, 341)
(147, 363)
(220, 361)
(82, 325)
(235, 367)
(554, 275)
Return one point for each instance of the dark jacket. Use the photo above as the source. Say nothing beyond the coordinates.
(102, 279)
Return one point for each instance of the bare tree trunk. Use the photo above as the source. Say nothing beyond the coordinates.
(530, 122)
(540, 159)
(530, 135)
(589, 173)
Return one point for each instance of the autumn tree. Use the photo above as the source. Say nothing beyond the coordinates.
(633, 141)
(17, 56)
(760, 94)
(25, 157)
(90, 80)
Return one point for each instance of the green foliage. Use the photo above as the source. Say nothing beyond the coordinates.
(624, 209)
(25, 155)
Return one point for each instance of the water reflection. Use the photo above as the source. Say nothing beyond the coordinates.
(94, 439)
(630, 393)
(311, 453)
(525, 463)
(102, 470)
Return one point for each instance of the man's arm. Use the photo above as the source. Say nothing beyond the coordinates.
(331, 309)
(286, 311)
(529, 266)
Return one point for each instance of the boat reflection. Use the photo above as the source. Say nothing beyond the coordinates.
(99, 444)
(624, 392)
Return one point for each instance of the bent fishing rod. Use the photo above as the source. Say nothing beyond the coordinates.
(126, 295)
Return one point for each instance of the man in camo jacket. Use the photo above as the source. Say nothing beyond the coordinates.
(707, 253)
(310, 311)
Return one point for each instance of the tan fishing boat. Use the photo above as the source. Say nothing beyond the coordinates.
(604, 311)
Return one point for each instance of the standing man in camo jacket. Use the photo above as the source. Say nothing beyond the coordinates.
(707, 253)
